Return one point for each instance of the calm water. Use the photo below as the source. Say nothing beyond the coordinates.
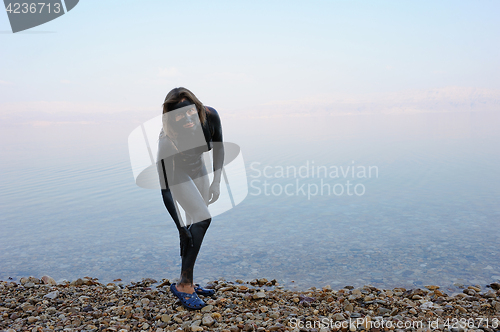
(429, 215)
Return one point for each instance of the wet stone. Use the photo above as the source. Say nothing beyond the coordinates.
(207, 308)
(338, 317)
(207, 320)
(96, 307)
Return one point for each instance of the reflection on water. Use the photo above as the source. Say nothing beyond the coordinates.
(430, 216)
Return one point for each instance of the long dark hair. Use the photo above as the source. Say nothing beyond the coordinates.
(177, 94)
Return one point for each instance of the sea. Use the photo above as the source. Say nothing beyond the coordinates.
(389, 200)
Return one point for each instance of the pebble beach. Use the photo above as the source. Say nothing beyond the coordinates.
(85, 304)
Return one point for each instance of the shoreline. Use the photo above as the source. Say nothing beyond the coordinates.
(294, 284)
(261, 305)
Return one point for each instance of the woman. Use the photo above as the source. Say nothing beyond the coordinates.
(189, 129)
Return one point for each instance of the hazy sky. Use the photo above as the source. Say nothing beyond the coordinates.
(107, 56)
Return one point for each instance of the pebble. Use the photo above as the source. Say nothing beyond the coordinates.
(382, 311)
(52, 295)
(259, 295)
(495, 285)
(370, 297)
(207, 320)
(91, 306)
(262, 281)
(477, 289)
(496, 305)
(207, 308)
(29, 284)
(432, 287)
(49, 280)
(338, 317)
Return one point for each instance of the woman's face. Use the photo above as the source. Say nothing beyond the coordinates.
(185, 116)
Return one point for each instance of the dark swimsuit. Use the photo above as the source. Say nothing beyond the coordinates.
(189, 164)
(191, 160)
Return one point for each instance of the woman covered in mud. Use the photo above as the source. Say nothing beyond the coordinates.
(189, 130)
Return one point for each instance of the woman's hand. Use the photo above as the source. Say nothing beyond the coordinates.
(214, 192)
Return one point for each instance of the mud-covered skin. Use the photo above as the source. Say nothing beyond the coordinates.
(185, 123)
(190, 253)
(189, 168)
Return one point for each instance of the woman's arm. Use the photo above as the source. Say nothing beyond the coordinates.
(218, 154)
(164, 167)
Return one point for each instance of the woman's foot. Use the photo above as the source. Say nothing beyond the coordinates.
(190, 301)
(185, 288)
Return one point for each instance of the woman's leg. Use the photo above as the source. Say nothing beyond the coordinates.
(192, 195)
(202, 182)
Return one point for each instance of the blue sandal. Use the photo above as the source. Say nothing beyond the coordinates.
(203, 291)
(190, 301)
